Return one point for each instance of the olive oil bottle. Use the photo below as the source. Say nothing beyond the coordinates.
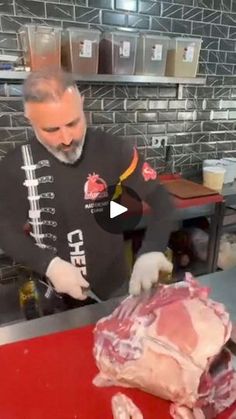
(29, 299)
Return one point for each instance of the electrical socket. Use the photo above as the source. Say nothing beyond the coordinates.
(159, 141)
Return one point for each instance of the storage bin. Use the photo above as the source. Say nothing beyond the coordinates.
(229, 171)
(213, 177)
(118, 53)
(231, 160)
(182, 57)
(41, 46)
(151, 55)
(80, 50)
(229, 166)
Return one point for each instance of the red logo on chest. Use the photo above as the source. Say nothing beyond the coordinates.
(148, 172)
(94, 187)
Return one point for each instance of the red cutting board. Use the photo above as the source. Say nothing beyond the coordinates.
(51, 378)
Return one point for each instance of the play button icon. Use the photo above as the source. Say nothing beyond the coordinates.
(118, 213)
(116, 209)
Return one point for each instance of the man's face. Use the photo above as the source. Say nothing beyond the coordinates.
(60, 125)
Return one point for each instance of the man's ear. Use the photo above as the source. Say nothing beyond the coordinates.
(26, 113)
(82, 99)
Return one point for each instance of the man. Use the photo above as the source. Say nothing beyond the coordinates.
(51, 185)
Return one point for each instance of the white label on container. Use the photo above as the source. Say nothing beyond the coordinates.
(157, 52)
(85, 49)
(125, 49)
(188, 54)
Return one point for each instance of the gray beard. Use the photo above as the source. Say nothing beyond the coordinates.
(67, 157)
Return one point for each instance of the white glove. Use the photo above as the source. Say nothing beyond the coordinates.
(146, 271)
(67, 278)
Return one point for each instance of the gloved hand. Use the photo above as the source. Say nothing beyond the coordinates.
(67, 278)
(146, 271)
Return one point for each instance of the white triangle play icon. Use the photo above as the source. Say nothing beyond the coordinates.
(116, 209)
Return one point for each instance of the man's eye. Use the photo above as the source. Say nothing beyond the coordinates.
(73, 123)
(51, 129)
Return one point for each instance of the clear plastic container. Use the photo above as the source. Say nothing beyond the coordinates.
(41, 46)
(232, 160)
(230, 171)
(151, 55)
(183, 56)
(118, 53)
(211, 162)
(80, 48)
(213, 177)
(226, 164)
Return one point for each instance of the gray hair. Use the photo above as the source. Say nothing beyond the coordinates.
(47, 85)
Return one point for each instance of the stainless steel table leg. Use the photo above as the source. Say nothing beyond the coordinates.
(221, 212)
(214, 236)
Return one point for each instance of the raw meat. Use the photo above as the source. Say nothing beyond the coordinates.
(124, 408)
(169, 342)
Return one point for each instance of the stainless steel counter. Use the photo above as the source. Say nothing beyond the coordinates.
(223, 285)
(56, 323)
(223, 289)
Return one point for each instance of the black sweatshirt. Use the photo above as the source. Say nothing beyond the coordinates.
(57, 201)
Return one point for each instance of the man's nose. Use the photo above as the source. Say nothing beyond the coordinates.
(66, 136)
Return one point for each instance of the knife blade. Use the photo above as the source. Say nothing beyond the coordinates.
(92, 295)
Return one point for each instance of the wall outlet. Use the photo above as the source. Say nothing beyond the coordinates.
(159, 141)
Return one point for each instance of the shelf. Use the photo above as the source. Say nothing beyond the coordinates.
(108, 78)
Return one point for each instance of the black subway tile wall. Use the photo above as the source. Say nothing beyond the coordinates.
(199, 125)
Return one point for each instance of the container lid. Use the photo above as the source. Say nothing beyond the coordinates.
(182, 38)
(122, 33)
(154, 36)
(228, 162)
(231, 159)
(83, 30)
(212, 162)
(39, 26)
(214, 169)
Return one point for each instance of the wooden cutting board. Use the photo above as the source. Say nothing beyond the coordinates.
(185, 189)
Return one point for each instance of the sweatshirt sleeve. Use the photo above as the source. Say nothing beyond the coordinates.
(13, 216)
(143, 179)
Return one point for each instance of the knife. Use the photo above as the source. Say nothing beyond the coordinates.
(92, 295)
(51, 289)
